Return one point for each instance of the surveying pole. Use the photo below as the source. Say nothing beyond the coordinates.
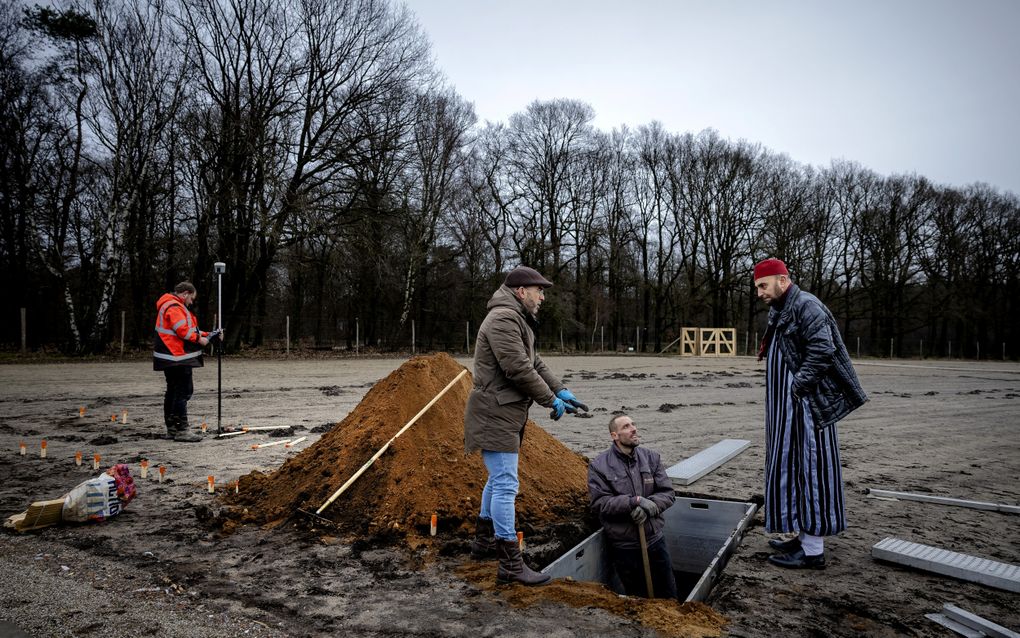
(219, 268)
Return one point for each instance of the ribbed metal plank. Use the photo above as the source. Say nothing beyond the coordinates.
(983, 626)
(948, 563)
(951, 624)
(689, 470)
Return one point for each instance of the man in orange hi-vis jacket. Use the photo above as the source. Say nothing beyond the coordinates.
(177, 348)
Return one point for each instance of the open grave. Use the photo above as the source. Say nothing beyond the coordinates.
(701, 534)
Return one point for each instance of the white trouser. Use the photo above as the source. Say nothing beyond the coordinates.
(812, 545)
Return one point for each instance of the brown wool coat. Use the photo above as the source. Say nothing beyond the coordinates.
(509, 375)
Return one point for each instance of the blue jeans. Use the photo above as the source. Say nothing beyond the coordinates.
(500, 492)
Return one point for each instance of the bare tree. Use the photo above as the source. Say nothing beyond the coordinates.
(59, 234)
(657, 154)
(441, 124)
(543, 140)
(855, 190)
(723, 195)
(139, 87)
(588, 183)
(621, 235)
(469, 238)
(498, 203)
(25, 115)
(288, 87)
(889, 234)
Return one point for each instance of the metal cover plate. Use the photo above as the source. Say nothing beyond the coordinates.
(689, 470)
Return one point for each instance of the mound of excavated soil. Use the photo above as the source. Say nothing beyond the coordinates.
(424, 471)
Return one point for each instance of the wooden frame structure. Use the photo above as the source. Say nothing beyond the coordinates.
(708, 342)
(690, 342)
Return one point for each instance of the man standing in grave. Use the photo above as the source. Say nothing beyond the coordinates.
(810, 385)
(628, 488)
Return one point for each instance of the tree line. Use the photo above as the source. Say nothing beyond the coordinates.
(318, 151)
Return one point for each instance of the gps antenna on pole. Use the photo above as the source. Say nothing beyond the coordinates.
(219, 268)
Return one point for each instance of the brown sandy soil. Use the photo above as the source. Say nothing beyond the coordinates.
(164, 566)
(423, 472)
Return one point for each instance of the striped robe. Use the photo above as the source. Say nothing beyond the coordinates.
(803, 480)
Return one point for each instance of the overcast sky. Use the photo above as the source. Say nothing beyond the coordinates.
(901, 86)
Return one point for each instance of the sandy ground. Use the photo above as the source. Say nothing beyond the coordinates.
(945, 428)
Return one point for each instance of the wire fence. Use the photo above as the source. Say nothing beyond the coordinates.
(628, 340)
(386, 335)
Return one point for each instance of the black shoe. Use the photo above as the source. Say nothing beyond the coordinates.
(171, 427)
(799, 560)
(785, 547)
(182, 431)
(187, 437)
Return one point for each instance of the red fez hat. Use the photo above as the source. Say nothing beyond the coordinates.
(770, 266)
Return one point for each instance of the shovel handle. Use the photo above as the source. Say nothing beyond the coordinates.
(370, 461)
(644, 559)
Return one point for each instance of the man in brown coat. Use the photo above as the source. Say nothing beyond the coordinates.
(509, 375)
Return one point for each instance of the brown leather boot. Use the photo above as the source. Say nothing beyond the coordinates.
(484, 545)
(512, 568)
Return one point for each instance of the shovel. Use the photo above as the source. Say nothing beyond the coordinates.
(318, 513)
(644, 559)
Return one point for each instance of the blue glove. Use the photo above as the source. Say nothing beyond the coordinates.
(569, 397)
(558, 408)
(212, 335)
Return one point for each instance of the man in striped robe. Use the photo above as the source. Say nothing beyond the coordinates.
(810, 385)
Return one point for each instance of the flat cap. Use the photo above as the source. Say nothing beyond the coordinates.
(524, 276)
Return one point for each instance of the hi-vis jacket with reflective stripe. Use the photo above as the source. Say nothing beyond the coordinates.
(176, 338)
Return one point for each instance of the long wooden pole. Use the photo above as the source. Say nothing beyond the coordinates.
(670, 345)
(375, 456)
(644, 559)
